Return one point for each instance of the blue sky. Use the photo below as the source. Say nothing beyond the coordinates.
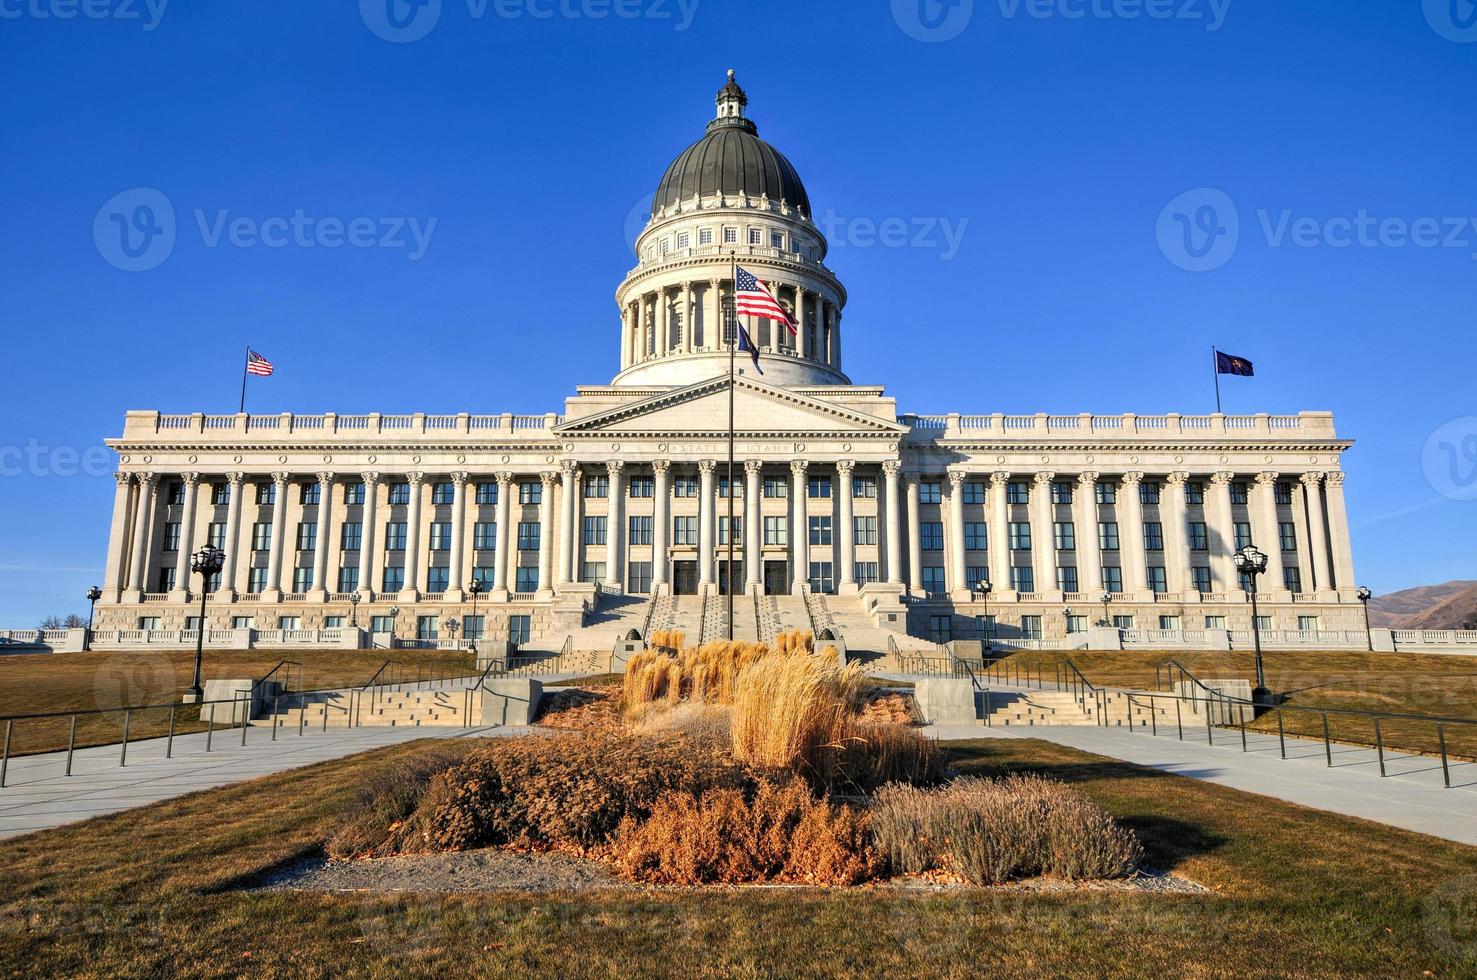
(1059, 150)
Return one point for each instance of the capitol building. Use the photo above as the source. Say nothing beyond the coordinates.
(874, 518)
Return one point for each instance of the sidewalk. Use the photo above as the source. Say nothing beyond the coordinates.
(38, 795)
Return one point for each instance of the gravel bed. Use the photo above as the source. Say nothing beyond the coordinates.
(487, 870)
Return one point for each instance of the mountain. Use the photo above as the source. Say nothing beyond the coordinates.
(1427, 607)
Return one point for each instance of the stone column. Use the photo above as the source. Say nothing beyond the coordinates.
(413, 534)
(1043, 533)
(324, 534)
(891, 469)
(1317, 542)
(753, 525)
(713, 320)
(368, 533)
(1221, 530)
(457, 573)
(1338, 533)
(802, 347)
(1131, 534)
(846, 580)
(616, 526)
(626, 336)
(915, 545)
(957, 578)
(999, 532)
(799, 528)
(661, 523)
(836, 340)
(139, 553)
(1089, 555)
(687, 318)
(707, 503)
(567, 527)
(1264, 531)
(236, 486)
(1173, 512)
(191, 483)
(502, 558)
(279, 531)
(115, 576)
(545, 534)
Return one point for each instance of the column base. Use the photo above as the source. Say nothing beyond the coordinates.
(847, 588)
(318, 597)
(408, 595)
(543, 595)
(455, 595)
(499, 595)
(271, 595)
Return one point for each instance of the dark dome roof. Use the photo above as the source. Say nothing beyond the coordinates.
(731, 159)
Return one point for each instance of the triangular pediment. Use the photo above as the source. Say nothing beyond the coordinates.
(758, 408)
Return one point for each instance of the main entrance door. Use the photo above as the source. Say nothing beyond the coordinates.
(734, 582)
(776, 577)
(684, 577)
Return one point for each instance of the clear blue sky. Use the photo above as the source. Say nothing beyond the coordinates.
(1055, 142)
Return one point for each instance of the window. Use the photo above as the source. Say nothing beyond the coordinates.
(443, 493)
(1064, 536)
(638, 577)
(865, 572)
(1023, 578)
(864, 487)
(985, 627)
(256, 579)
(684, 530)
(528, 536)
(166, 580)
(176, 493)
(642, 487)
(776, 531)
(640, 530)
(1169, 622)
(437, 579)
(776, 487)
(395, 536)
(526, 580)
(1264, 622)
(441, 536)
(1244, 580)
(1066, 578)
(1017, 492)
(243, 622)
(864, 530)
(1031, 627)
(220, 494)
(975, 574)
(1200, 578)
(974, 493)
(976, 536)
(1107, 493)
(1076, 624)
(485, 575)
(941, 628)
(684, 240)
(1153, 536)
(1215, 622)
(1194, 492)
(1292, 578)
(1158, 582)
(593, 571)
(1149, 492)
(266, 493)
(820, 530)
(1107, 535)
(399, 494)
(1243, 535)
(1307, 624)
(666, 245)
(289, 622)
(171, 536)
(597, 487)
(520, 629)
(348, 578)
(350, 535)
(738, 526)
(428, 627)
(685, 486)
(311, 493)
(1287, 536)
(215, 535)
(756, 236)
(822, 577)
(261, 537)
(1282, 492)
(1112, 578)
(1123, 622)
(484, 536)
(730, 236)
(594, 530)
(307, 537)
(933, 580)
(1238, 492)
(394, 578)
(1061, 492)
(931, 535)
(930, 492)
(530, 493)
(1199, 536)
(738, 488)
(820, 486)
(777, 239)
(486, 493)
(705, 236)
(354, 493)
(1020, 536)
(474, 627)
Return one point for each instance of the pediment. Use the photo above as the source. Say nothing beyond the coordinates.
(758, 408)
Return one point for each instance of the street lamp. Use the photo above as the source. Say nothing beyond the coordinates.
(451, 627)
(983, 588)
(93, 595)
(354, 600)
(1106, 599)
(394, 612)
(1067, 618)
(476, 589)
(208, 562)
(1364, 596)
(1251, 562)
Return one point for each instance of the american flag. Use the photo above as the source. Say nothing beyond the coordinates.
(258, 365)
(752, 298)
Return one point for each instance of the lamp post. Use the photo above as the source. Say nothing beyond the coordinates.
(476, 589)
(93, 595)
(451, 627)
(394, 612)
(1106, 599)
(1251, 562)
(208, 561)
(983, 588)
(354, 600)
(1365, 595)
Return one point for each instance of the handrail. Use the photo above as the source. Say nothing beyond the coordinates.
(285, 663)
(646, 623)
(356, 695)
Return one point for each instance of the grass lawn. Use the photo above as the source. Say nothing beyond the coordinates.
(1406, 683)
(1297, 892)
(46, 682)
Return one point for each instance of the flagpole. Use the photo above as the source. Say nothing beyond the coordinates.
(244, 363)
(1215, 371)
(732, 353)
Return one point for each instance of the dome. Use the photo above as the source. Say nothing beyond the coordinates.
(731, 159)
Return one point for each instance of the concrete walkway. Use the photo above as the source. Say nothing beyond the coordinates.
(38, 795)
(1410, 796)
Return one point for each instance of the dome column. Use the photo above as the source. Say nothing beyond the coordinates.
(713, 319)
(801, 347)
(687, 318)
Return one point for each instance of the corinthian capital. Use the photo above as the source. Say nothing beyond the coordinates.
(753, 466)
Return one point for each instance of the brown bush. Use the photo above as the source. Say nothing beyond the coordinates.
(389, 796)
(720, 836)
(708, 673)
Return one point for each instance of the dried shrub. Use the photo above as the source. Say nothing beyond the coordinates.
(708, 673)
(579, 709)
(390, 795)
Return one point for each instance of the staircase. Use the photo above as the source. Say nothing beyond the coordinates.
(439, 706)
(866, 642)
(687, 617)
(714, 622)
(1032, 708)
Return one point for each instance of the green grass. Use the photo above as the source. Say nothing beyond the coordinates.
(1298, 892)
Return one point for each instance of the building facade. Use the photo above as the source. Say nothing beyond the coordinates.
(1070, 518)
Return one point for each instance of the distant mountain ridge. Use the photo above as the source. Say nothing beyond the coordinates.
(1427, 607)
